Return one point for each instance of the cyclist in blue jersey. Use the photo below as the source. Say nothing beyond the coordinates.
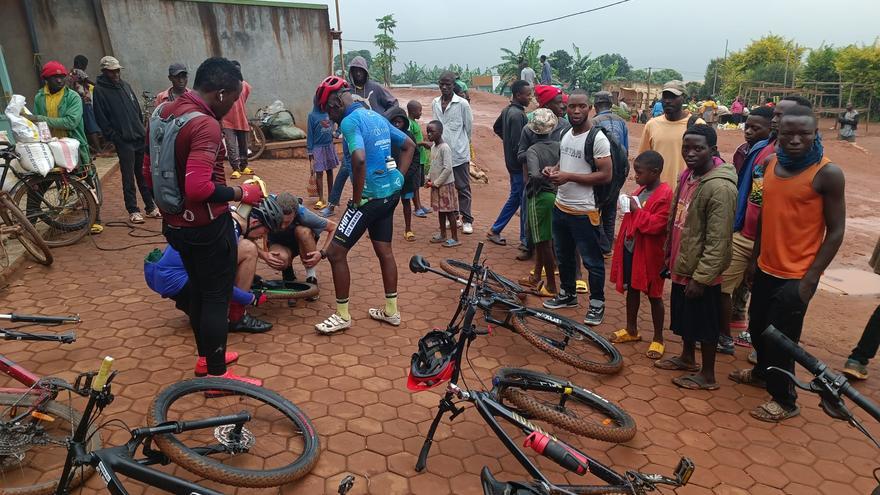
(376, 184)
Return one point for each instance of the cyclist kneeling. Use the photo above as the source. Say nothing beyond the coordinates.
(299, 234)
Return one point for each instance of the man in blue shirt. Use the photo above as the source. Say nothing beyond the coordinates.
(546, 71)
(616, 128)
(376, 183)
(657, 108)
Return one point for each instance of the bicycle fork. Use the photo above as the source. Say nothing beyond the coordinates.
(446, 405)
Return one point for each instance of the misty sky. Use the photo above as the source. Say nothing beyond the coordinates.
(640, 30)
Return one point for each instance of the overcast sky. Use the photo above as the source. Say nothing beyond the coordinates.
(676, 34)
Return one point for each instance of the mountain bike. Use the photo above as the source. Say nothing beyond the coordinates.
(222, 430)
(562, 338)
(828, 385)
(491, 407)
(15, 223)
(34, 423)
(530, 394)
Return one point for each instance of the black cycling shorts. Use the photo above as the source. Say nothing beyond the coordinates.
(376, 216)
(287, 238)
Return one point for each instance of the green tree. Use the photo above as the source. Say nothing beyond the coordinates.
(713, 81)
(695, 88)
(861, 64)
(386, 44)
(819, 65)
(349, 56)
(745, 64)
(658, 76)
(412, 74)
(561, 62)
(623, 67)
(512, 61)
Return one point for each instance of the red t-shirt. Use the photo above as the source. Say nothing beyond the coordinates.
(199, 168)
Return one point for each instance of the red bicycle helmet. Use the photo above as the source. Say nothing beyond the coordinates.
(328, 86)
(434, 363)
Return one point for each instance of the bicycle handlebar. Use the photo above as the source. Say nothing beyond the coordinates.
(53, 320)
(821, 371)
(64, 338)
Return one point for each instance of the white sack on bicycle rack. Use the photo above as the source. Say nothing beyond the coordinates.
(23, 129)
(65, 151)
(35, 157)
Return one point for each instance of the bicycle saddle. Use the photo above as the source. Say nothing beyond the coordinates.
(418, 264)
(491, 486)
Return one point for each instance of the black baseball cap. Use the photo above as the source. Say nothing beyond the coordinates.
(175, 69)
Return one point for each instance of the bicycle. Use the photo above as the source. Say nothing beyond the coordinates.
(15, 224)
(532, 394)
(243, 435)
(828, 385)
(291, 290)
(562, 338)
(491, 408)
(34, 426)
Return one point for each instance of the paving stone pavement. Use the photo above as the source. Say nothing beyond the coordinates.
(352, 384)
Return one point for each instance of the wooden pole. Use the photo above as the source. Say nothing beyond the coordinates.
(339, 28)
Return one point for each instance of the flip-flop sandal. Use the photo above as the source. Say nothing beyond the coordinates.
(379, 314)
(542, 290)
(622, 337)
(747, 377)
(581, 287)
(675, 364)
(437, 238)
(450, 243)
(694, 382)
(529, 281)
(96, 228)
(409, 236)
(655, 350)
(772, 412)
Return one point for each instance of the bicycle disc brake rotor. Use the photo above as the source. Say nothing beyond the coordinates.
(236, 442)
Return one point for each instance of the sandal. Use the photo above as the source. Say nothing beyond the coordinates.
(542, 290)
(747, 377)
(333, 324)
(655, 350)
(529, 281)
(379, 314)
(96, 228)
(496, 238)
(437, 238)
(694, 382)
(676, 364)
(450, 243)
(622, 336)
(772, 412)
(409, 236)
(581, 287)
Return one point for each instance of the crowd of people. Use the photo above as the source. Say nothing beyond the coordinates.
(768, 223)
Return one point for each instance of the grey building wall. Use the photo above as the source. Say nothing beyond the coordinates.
(284, 52)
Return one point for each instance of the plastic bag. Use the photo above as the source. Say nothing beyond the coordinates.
(23, 129)
(35, 157)
(275, 107)
(65, 151)
(287, 132)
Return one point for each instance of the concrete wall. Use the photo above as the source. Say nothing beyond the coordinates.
(284, 52)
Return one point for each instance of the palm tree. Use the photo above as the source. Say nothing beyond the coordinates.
(512, 62)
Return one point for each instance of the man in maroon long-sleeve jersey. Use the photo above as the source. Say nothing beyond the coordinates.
(203, 233)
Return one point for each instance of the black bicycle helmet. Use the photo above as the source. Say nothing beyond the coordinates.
(269, 214)
(434, 363)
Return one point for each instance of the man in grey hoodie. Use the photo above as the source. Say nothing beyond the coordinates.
(381, 100)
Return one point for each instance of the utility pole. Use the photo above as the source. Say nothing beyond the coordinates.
(785, 77)
(339, 28)
(648, 82)
(715, 80)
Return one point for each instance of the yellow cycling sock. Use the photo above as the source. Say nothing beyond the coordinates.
(391, 304)
(342, 309)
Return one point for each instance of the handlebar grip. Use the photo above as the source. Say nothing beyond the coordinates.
(101, 378)
(860, 400)
(478, 253)
(775, 337)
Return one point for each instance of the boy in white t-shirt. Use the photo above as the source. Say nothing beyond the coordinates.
(576, 221)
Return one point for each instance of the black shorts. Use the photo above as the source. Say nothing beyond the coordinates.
(695, 320)
(287, 238)
(411, 181)
(375, 217)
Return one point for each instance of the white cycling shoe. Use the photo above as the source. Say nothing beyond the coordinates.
(333, 324)
(379, 314)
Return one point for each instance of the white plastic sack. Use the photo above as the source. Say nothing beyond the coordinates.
(23, 129)
(65, 151)
(275, 107)
(35, 157)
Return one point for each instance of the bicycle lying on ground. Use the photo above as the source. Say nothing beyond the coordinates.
(828, 385)
(15, 224)
(442, 355)
(562, 338)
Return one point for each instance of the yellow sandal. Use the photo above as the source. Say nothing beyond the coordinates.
(409, 236)
(622, 336)
(655, 350)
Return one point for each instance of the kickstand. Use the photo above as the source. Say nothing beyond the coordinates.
(446, 405)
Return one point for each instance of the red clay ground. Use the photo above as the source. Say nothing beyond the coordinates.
(352, 385)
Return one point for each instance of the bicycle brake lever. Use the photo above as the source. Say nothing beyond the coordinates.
(797, 383)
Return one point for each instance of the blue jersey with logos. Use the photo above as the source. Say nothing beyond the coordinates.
(366, 130)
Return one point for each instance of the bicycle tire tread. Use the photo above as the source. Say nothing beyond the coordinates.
(202, 466)
(82, 192)
(614, 365)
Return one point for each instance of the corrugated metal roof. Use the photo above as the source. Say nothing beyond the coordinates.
(269, 3)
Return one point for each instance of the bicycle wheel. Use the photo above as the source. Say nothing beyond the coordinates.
(19, 227)
(32, 452)
(278, 289)
(279, 443)
(256, 142)
(62, 208)
(565, 405)
(568, 341)
(498, 283)
(93, 182)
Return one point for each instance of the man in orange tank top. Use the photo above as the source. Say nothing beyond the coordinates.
(799, 232)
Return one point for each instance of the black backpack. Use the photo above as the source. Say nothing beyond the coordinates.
(606, 194)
